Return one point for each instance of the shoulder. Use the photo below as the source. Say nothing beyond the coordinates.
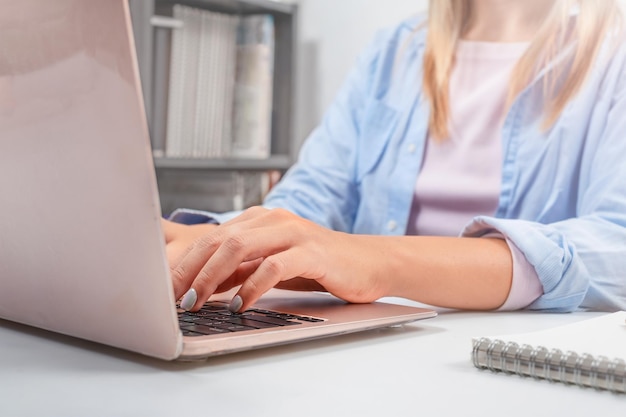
(411, 30)
(394, 53)
(388, 68)
(374, 72)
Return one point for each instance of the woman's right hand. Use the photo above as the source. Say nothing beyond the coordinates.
(261, 249)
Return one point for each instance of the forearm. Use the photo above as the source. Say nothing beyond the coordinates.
(465, 273)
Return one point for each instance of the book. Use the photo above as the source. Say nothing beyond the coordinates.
(252, 117)
(201, 83)
(589, 353)
(178, 102)
(221, 81)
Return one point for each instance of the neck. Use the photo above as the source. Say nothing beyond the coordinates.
(505, 20)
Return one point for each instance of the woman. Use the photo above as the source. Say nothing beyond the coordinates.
(476, 162)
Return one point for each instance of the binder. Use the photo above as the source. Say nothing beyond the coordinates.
(590, 353)
(202, 85)
(252, 116)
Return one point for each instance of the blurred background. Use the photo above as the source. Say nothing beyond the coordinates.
(321, 39)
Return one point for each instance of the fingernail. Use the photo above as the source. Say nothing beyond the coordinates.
(189, 300)
(235, 304)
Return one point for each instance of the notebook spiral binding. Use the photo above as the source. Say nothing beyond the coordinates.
(553, 365)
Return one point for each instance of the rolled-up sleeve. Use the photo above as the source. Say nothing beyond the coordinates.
(581, 261)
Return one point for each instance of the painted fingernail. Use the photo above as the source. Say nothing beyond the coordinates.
(235, 304)
(189, 300)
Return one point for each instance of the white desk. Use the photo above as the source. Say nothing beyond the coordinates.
(422, 369)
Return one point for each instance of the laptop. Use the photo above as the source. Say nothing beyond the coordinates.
(81, 247)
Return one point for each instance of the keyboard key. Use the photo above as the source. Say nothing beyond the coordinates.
(270, 320)
(201, 330)
(215, 318)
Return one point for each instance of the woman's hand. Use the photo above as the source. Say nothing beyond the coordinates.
(180, 237)
(261, 249)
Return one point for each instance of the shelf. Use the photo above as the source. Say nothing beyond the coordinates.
(153, 22)
(276, 162)
(238, 6)
(201, 183)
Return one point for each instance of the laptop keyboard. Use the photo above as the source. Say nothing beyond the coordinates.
(215, 318)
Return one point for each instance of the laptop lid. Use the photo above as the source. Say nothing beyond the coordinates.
(81, 252)
(81, 248)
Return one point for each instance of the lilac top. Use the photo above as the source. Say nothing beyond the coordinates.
(460, 176)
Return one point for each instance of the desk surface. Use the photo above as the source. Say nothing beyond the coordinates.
(419, 369)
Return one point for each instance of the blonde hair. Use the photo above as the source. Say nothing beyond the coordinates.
(580, 34)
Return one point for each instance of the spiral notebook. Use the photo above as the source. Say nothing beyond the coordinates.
(589, 353)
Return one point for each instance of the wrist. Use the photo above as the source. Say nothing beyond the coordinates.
(374, 263)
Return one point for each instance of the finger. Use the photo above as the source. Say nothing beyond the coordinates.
(190, 299)
(192, 258)
(187, 266)
(280, 267)
(190, 262)
(241, 274)
(176, 248)
(217, 257)
(180, 280)
(182, 242)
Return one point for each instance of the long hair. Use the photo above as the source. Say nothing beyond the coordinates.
(574, 27)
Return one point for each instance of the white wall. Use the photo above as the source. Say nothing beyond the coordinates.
(331, 35)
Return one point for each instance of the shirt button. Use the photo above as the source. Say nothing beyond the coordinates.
(411, 148)
(391, 226)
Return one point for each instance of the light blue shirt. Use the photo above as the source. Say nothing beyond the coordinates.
(563, 195)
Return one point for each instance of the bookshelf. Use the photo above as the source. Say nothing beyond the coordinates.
(153, 26)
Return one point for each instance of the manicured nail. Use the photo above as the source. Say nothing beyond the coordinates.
(189, 300)
(235, 304)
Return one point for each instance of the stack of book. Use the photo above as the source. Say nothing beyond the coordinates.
(220, 85)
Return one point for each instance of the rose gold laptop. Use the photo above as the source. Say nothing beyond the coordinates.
(81, 250)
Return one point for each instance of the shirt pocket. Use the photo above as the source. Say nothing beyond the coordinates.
(379, 124)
